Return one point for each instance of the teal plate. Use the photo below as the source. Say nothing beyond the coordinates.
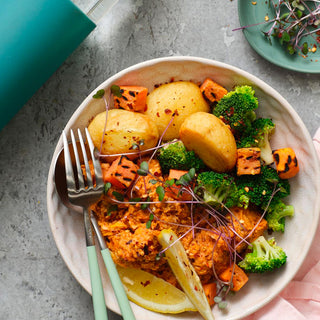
(249, 14)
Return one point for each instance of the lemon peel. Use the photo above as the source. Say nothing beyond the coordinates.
(153, 293)
(184, 272)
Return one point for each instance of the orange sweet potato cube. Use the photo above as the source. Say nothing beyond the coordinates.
(239, 278)
(121, 173)
(248, 161)
(210, 290)
(174, 191)
(286, 163)
(133, 98)
(212, 91)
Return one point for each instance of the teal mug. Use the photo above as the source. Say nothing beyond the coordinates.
(36, 36)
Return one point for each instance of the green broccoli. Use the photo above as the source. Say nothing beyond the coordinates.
(258, 135)
(176, 156)
(260, 191)
(215, 186)
(220, 188)
(236, 109)
(265, 256)
(276, 213)
(260, 188)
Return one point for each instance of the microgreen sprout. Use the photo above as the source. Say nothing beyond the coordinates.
(119, 196)
(99, 94)
(116, 91)
(186, 178)
(112, 208)
(293, 21)
(161, 193)
(159, 255)
(106, 188)
(144, 206)
(144, 169)
(148, 224)
(136, 146)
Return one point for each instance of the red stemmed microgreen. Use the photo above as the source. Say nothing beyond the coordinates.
(293, 21)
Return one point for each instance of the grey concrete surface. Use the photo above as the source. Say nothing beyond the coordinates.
(34, 281)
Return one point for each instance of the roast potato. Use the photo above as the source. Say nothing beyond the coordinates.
(124, 129)
(211, 140)
(182, 98)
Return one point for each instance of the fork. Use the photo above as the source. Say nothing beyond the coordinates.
(84, 192)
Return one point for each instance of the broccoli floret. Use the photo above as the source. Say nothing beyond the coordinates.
(260, 188)
(265, 256)
(176, 156)
(220, 188)
(258, 135)
(236, 109)
(276, 213)
(216, 188)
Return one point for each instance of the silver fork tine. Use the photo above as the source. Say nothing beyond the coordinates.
(78, 165)
(85, 159)
(68, 164)
(96, 163)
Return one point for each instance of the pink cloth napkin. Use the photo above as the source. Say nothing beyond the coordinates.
(300, 300)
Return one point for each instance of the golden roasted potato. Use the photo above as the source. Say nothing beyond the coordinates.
(182, 98)
(211, 140)
(124, 129)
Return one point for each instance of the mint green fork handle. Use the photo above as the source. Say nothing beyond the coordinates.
(120, 293)
(99, 305)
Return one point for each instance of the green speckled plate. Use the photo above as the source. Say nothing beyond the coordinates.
(249, 14)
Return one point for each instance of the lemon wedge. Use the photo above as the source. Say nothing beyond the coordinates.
(184, 272)
(153, 293)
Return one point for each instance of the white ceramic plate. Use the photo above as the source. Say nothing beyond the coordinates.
(67, 225)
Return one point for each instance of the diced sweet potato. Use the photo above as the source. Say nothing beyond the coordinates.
(121, 173)
(173, 191)
(176, 174)
(210, 289)
(286, 163)
(212, 91)
(104, 168)
(239, 278)
(133, 98)
(248, 161)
